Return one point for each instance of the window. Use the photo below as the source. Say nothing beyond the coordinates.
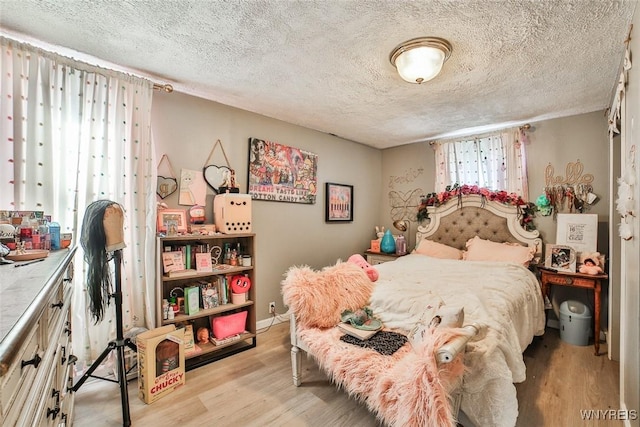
(496, 161)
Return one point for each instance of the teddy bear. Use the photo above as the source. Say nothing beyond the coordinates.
(318, 298)
(364, 265)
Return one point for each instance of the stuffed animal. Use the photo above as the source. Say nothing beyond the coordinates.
(363, 264)
(590, 263)
(590, 267)
(318, 298)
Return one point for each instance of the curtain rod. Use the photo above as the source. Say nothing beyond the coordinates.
(524, 127)
(163, 87)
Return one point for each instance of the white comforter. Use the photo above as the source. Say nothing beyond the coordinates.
(504, 297)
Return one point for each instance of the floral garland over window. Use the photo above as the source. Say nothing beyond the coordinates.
(526, 211)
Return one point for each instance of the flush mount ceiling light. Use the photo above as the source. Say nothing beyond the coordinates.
(419, 60)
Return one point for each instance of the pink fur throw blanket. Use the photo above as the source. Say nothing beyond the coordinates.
(406, 389)
(318, 298)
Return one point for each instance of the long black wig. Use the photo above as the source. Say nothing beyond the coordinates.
(94, 241)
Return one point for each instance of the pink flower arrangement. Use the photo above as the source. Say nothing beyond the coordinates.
(526, 210)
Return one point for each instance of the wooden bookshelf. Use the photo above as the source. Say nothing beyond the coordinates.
(174, 286)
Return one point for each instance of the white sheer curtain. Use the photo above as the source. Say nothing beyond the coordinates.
(496, 161)
(73, 134)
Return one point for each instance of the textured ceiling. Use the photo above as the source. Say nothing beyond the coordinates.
(325, 64)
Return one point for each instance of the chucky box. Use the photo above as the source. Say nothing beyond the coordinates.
(160, 362)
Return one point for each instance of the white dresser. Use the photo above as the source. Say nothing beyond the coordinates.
(36, 365)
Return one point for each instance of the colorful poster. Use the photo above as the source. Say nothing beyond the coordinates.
(280, 173)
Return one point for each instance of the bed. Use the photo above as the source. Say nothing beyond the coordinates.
(503, 310)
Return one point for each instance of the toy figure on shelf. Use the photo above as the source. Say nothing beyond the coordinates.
(203, 335)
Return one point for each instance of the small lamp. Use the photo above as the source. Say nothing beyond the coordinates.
(402, 225)
(419, 60)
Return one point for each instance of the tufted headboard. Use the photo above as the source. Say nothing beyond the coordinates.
(453, 225)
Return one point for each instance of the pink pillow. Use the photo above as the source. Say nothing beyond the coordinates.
(437, 250)
(485, 250)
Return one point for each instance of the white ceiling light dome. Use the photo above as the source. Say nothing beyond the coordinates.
(420, 60)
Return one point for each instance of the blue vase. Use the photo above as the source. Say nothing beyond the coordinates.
(387, 244)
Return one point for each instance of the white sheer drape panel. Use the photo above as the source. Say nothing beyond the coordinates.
(516, 161)
(73, 137)
(497, 162)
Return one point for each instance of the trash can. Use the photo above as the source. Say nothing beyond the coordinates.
(575, 322)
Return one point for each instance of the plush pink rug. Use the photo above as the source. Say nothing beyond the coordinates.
(405, 389)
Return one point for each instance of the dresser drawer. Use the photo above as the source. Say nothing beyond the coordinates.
(16, 384)
(57, 303)
(559, 280)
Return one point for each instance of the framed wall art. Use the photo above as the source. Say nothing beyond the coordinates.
(580, 231)
(281, 173)
(172, 221)
(338, 202)
(560, 258)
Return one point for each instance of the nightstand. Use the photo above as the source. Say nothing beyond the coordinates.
(550, 276)
(374, 258)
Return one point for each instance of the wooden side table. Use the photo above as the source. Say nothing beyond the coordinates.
(374, 258)
(550, 276)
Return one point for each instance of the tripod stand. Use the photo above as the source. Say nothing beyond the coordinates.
(118, 344)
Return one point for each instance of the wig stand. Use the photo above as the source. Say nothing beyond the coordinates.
(118, 345)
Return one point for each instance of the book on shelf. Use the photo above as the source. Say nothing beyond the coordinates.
(210, 294)
(189, 342)
(191, 300)
(187, 257)
(227, 340)
(348, 329)
(203, 263)
(172, 261)
(223, 289)
(182, 273)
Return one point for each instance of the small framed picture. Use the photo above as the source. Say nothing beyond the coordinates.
(338, 202)
(560, 258)
(172, 221)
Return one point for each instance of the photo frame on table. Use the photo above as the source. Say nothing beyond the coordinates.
(579, 231)
(338, 202)
(168, 218)
(560, 258)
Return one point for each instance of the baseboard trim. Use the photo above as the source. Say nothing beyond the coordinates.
(265, 323)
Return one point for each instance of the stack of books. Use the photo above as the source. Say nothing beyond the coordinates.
(348, 329)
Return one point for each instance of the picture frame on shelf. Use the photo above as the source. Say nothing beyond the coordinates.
(560, 258)
(338, 202)
(172, 218)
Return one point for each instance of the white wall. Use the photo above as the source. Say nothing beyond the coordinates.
(410, 168)
(630, 250)
(185, 129)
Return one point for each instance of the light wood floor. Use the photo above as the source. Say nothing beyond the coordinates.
(254, 388)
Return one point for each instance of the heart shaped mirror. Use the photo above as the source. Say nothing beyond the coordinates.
(166, 186)
(216, 176)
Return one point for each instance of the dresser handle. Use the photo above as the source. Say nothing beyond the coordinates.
(64, 355)
(53, 412)
(568, 280)
(72, 359)
(35, 362)
(58, 304)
